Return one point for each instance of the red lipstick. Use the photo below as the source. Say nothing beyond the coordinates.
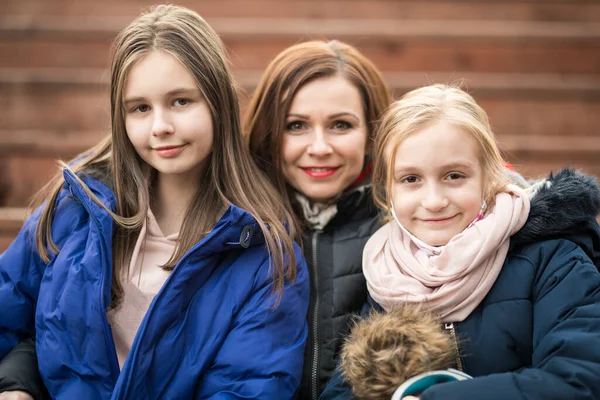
(320, 172)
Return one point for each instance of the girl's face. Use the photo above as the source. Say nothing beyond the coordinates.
(167, 119)
(437, 186)
(325, 140)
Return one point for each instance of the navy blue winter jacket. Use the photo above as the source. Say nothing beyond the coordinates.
(536, 335)
(212, 331)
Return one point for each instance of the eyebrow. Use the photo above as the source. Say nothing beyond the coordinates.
(332, 116)
(171, 93)
(465, 165)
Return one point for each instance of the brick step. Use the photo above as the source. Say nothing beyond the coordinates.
(438, 51)
(22, 175)
(343, 28)
(530, 10)
(74, 101)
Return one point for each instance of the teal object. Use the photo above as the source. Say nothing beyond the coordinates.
(417, 384)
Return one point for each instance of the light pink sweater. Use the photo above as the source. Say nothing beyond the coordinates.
(145, 279)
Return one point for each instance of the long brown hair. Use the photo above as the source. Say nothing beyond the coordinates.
(186, 36)
(264, 122)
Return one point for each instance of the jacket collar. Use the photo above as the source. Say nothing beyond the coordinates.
(237, 228)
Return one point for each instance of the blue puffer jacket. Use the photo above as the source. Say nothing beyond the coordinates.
(211, 331)
(536, 335)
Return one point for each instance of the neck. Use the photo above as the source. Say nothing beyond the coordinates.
(172, 197)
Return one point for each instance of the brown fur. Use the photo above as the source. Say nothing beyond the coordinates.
(386, 349)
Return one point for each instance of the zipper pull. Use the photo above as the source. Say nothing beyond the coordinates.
(449, 326)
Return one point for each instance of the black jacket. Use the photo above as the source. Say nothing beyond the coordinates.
(19, 371)
(338, 287)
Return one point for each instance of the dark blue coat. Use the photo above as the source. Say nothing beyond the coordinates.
(536, 335)
(210, 332)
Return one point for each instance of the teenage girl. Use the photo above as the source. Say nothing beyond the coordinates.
(151, 268)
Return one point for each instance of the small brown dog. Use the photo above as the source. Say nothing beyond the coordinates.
(385, 349)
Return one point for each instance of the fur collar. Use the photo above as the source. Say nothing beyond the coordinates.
(564, 205)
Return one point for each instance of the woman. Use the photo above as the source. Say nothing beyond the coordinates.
(310, 125)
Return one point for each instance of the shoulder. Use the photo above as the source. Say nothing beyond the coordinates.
(261, 261)
(557, 260)
(547, 251)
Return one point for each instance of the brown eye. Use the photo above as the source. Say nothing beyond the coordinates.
(454, 176)
(341, 125)
(181, 102)
(142, 108)
(295, 126)
(409, 179)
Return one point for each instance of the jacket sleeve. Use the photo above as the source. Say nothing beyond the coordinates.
(337, 388)
(21, 272)
(262, 355)
(566, 339)
(19, 371)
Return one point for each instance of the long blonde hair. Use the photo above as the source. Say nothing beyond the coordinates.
(264, 122)
(421, 108)
(183, 34)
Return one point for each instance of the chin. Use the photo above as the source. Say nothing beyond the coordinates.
(436, 241)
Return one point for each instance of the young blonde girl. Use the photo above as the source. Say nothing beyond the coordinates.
(510, 279)
(152, 269)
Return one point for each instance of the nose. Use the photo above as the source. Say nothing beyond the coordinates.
(434, 199)
(161, 123)
(319, 145)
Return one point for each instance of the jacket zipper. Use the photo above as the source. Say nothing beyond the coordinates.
(450, 327)
(315, 359)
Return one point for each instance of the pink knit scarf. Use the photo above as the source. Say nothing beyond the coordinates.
(452, 283)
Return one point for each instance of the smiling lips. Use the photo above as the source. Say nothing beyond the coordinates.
(319, 172)
(438, 220)
(169, 151)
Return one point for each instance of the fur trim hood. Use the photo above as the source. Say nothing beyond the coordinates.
(564, 205)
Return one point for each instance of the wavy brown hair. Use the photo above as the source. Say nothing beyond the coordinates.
(230, 168)
(264, 122)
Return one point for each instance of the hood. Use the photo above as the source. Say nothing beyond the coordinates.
(564, 205)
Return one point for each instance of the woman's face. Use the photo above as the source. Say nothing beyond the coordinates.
(437, 187)
(325, 138)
